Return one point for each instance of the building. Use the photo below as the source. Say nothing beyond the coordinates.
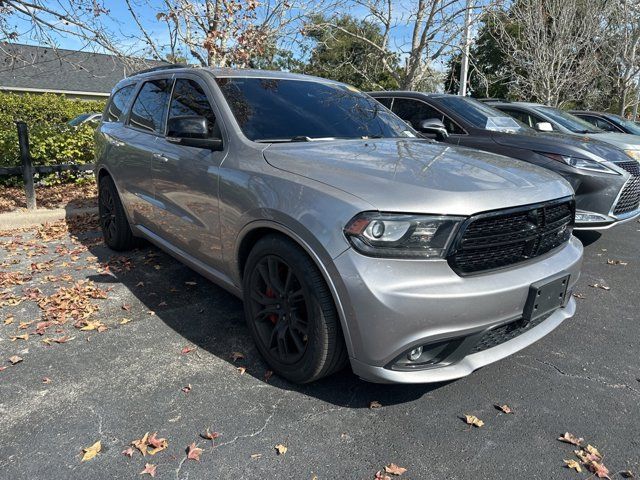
(76, 74)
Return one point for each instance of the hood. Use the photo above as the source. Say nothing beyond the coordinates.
(562, 144)
(419, 176)
(621, 140)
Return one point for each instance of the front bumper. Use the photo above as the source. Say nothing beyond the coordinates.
(392, 306)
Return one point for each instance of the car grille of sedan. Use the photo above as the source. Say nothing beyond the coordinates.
(503, 238)
(629, 199)
(504, 333)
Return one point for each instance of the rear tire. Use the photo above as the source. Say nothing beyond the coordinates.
(116, 230)
(290, 312)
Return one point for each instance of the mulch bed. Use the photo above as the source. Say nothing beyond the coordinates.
(55, 196)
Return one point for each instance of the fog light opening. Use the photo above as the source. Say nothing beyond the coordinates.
(415, 354)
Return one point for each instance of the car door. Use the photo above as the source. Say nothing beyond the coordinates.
(186, 178)
(414, 111)
(144, 124)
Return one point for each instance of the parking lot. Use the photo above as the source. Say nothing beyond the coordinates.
(144, 344)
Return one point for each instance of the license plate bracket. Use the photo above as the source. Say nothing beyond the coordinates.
(545, 296)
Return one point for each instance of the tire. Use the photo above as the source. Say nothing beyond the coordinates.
(290, 312)
(116, 230)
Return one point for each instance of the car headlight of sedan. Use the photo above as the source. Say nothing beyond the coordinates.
(580, 163)
(402, 236)
(635, 154)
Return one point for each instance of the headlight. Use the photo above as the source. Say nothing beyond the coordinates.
(581, 163)
(403, 236)
(635, 154)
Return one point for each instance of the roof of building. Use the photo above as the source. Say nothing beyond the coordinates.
(42, 69)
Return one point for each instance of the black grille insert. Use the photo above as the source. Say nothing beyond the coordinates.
(502, 238)
(629, 199)
(504, 333)
(632, 167)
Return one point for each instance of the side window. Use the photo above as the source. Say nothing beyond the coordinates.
(521, 116)
(385, 101)
(118, 104)
(414, 111)
(189, 99)
(150, 106)
(603, 124)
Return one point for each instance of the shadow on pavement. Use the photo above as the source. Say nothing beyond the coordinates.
(587, 237)
(212, 319)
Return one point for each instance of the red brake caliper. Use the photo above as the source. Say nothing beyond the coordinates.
(273, 317)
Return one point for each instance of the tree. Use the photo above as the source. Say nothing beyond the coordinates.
(433, 26)
(552, 47)
(341, 53)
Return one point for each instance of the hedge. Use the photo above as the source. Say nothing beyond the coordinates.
(52, 140)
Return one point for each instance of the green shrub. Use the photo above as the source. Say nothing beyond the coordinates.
(52, 141)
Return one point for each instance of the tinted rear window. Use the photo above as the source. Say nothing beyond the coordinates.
(118, 104)
(150, 106)
(280, 110)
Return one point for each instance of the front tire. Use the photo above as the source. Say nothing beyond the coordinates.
(116, 230)
(290, 312)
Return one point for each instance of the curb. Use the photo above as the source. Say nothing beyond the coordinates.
(31, 218)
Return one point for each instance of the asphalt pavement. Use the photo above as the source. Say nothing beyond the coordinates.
(165, 363)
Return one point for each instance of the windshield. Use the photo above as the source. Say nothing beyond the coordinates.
(277, 110)
(480, 115)
(569, 121)
(632, 127)
(79, 119)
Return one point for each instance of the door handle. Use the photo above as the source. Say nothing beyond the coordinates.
(161, 157)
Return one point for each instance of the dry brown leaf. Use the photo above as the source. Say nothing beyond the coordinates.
(394, 469)
(193, 452)
(186, 389)
(600, 286)
(598, 469)
(267, 375)
(19, 337)
(573, 465)
(241, 370)
(616, 262)
(187, 349)
(15, 359)
(256, 455)
(593, 451)
(141, 444)
(473, 420)
(237, 356)
(158, 444)
(126, 307)
(8, 320)
(124, 321)
(88, 325)
(504, 408)
(149, 469)
(46, 380)
(128, 452)
(281, 449)
(571, 438)
(382, 476)
(210, 436)
(375, 404)
(4, 367)
(92, 451)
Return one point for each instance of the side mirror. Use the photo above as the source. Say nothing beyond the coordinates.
(191, 131)
(434, 126)
(544, 127)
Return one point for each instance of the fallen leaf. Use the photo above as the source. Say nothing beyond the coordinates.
(241, 370)
(473, 420)
(382, 476)
(8, 320)
(627, 474)
(375, 404)
(237, 356)
(193, 452)
(91, 325)
(394, 469)
(3, 368)
(19, 337)
(579, 296)
(92, 451)
(573, 465)
(602, 287)
(15, 359)
(256, 455)
(46, 380)
(281, 449)
(504, 408)
(571, 438)
(591, 450)
(616, 262)
(186, 389)
(149, 469)
(124, 321)
(140, 284)
(210, 436)
(186, 350)
(126, 307)
(128, 452)
(158, 444)
(267, 375)
(141, 444)
(598, 469)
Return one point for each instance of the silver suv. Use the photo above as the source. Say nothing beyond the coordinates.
(348, 237)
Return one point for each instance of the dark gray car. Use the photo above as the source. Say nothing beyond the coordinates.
(609, 122)
(348, 237)
(606, 180)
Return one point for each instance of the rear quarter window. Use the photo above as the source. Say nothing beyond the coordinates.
(118, 104)
(150, 106)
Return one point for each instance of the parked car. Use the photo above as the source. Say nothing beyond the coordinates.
(83, 118)
(346, 235)
(605, 180)
(609, 122)
(537, 116)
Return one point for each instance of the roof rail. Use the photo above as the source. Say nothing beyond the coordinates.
(168, 66)
(493, 99)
